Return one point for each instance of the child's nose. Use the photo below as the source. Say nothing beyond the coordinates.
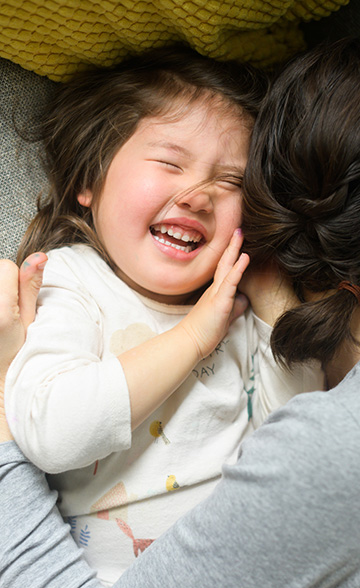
(197, 200)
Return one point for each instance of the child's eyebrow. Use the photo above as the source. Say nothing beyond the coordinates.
(171, 147)
(231, 169)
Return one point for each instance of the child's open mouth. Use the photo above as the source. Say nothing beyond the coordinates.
(186, 240)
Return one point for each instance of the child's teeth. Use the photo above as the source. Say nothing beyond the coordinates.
(187, 249)
(177, 235)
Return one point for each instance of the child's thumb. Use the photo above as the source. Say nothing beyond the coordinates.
(30, 280)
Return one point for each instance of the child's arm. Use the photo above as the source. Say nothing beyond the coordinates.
(165, 361)
(68, 407)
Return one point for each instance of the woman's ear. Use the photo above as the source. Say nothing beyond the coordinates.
(85, 198)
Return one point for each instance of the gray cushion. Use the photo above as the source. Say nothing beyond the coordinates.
(22, 95)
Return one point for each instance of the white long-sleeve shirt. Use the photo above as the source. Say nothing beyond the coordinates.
(68, 407)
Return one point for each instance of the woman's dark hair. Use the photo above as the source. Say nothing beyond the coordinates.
(302, 196)
(92, 116)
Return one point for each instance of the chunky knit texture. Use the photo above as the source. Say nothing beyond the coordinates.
(58, 38)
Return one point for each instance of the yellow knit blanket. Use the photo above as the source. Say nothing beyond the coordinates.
(58, 38)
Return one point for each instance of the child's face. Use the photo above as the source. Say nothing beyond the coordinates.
(167, 248)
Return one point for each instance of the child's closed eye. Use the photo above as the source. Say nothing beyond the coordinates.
(170, 164)
(230, 182)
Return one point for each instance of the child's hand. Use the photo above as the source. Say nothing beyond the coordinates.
(209, 320)
(189, 341)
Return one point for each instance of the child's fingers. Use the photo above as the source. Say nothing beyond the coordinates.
(229, 257)
(30, 280)
(234, 275)
(227, 290)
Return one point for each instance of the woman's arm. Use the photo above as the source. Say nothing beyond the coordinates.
(286, 514)
(36, 547)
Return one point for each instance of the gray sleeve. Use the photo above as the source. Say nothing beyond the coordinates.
(36, 548)
(287, 514)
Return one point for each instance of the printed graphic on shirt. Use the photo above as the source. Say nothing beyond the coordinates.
(113, 504)
(139, 545)
(84, 536)
(207, 367)
(171, 483)
(125, 339)
(251, 390)
(156, 430)
(72, 521)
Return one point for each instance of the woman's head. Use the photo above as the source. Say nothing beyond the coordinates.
(302, 195)
(97, 113)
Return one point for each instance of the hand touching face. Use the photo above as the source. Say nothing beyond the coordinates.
(159, 216)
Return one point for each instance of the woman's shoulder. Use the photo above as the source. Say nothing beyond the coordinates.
(319, 432)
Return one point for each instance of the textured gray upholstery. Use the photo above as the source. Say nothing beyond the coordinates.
(22, 94)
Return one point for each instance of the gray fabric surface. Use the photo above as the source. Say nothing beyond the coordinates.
(22, 95)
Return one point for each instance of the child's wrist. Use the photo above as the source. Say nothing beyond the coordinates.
(191, 343)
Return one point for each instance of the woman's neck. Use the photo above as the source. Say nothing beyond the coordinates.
(342, 362)
(346, 356)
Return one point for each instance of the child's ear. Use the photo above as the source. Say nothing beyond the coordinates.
(85, 198)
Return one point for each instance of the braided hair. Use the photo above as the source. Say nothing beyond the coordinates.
(302, 196)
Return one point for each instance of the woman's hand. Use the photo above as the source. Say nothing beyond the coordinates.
(270, 293)
(18, 293)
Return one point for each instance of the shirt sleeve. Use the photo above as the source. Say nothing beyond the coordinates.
(66, 405)
(275, 385)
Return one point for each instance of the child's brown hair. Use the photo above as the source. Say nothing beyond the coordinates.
(96, 113)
